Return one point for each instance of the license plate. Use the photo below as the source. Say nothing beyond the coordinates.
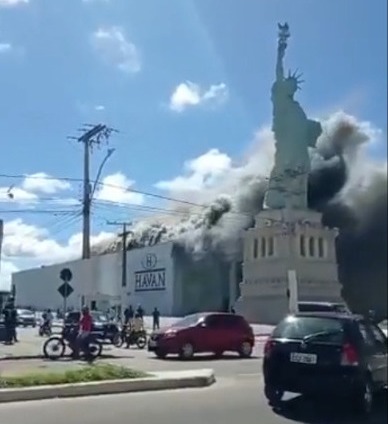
(303, 358)
(152, 343)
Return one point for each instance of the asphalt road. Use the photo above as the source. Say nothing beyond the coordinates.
(230, 365)
(229, 401)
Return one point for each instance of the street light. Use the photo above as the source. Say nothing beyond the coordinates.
(109, 153)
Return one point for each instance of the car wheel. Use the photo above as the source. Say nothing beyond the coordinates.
(187, 351)
(363, 399)
(273, 394)
(245, 350)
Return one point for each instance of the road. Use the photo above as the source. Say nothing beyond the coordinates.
(229, 365)
(229, 401)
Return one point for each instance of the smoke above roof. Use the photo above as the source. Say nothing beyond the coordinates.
(344, 184)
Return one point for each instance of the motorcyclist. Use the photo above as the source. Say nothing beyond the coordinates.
(47, 320)
(136, 327)
(85, 329)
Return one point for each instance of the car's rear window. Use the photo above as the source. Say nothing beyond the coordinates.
(314, 307)
(297, 328)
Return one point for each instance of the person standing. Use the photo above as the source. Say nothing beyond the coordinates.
(140, 311)
(155, 319)
(128, 314)
(10, 322)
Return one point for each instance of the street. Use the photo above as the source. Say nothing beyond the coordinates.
(231, 400)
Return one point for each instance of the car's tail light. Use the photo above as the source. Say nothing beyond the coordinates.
(268, 347)
(349, 355)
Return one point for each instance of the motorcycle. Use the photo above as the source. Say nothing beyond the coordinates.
(130, 338)
(45, 330)
(55, 347)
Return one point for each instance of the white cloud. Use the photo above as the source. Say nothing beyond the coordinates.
(11, 3)
(189, 94)
(199, 172)
(99, 108)
(114, 48)
(34, 245)
(5, 47)
(41, 182)
(116, 188)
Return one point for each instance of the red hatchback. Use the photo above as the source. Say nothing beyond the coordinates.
(204, 332)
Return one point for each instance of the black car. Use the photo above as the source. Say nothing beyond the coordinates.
(317, 354)
(105, 329)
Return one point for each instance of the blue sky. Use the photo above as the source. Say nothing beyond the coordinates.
(68, 62)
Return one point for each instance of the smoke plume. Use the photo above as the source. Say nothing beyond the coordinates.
(344, 185)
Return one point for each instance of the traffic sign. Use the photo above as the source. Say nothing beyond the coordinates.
(65, 290)
(66, 275)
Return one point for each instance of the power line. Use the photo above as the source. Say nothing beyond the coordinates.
(128, 189)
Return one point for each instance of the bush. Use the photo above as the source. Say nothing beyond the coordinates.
(81, 375)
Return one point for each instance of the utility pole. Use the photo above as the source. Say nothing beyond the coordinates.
(124, 236)
(93, 135)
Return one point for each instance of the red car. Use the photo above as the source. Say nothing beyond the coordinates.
(204, 332)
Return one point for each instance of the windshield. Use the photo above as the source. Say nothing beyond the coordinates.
(99, 317)
(305, 328)
(188, 321)
(25, 312)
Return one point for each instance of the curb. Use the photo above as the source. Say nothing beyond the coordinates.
(19, 357)
(170, 381)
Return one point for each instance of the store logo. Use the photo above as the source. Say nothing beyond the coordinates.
(149, 262)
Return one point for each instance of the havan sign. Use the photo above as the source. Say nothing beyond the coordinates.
(151, 278)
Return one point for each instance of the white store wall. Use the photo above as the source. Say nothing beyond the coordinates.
(91, 278)
(99, 278)
(150, 278)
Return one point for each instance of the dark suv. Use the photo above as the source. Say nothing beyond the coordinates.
(326, 354)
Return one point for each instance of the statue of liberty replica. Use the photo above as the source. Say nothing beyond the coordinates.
(294, 134)
(289, 256)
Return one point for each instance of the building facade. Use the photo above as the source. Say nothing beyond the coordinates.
(163, 276)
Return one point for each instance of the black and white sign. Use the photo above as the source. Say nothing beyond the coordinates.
(150, 278)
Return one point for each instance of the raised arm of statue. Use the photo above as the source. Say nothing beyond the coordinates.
(283, 35)
(279, 63)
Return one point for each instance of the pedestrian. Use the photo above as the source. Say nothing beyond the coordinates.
(140, 311)
(128, 314)
(155, 319)
(10, 322)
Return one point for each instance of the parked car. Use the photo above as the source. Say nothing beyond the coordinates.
(204, 332)
(106, 329)
(323, 307)
(384, 327)
(26, 318)
(332, 354)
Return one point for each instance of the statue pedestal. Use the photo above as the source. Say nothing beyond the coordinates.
(284, 240)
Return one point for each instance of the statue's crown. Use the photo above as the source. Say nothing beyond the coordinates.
(296, 77)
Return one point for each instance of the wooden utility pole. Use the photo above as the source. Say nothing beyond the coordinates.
(124, 236)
